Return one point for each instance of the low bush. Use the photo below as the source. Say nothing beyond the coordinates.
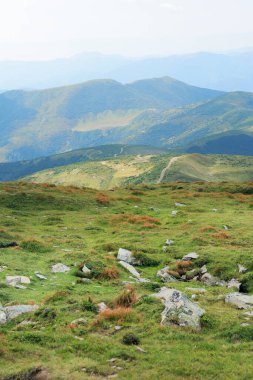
(131, 339)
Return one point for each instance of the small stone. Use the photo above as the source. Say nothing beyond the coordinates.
(3, 317)
(79, 321)
(169, 242)
(190, 256)
(40, 276)
(210, 280)
(85, 270)
(178, 204)
(174, 213)
(112, 360)
(241, 268)
(245, 324)
(84, 280)
(234, 284)
(139, 349)
(203, 269)
(60, 268)
(165, 276)
(117, 328)
(102, 307)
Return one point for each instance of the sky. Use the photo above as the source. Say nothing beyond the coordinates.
(50, 29)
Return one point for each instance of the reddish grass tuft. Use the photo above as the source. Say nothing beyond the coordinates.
(102, 199)
(119, 314)
(127, 298)
(110, 273)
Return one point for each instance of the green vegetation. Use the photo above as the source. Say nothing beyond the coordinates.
(150, 169)
(67, 337)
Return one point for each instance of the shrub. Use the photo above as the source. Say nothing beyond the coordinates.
(111, 273)
(238, 333)
(102, 199)
(49, 314)
(89, 305)
(247, 283)
(57, 296)
(130, 339)
(118, 314)
(96, 268)
(145, 260)
(32, 245)
(127, 298)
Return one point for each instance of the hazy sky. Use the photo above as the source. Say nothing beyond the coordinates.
(45, 29)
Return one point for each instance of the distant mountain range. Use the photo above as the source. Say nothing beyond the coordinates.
(45, 122)
(225, 72)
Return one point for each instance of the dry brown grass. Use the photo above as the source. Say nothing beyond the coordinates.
(127, 298)
(102, 199)
(110, 273)
(221, 236)
(208, 229)
(119, 314)
(136, 219)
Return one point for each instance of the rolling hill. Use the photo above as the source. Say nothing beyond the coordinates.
(38, 123)
(121, 171)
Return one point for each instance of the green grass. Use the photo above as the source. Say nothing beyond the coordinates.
(70, 225)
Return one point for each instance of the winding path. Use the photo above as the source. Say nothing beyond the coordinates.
(164, 171)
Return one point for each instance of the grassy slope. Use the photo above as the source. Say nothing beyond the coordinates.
(70, 219)
(146, 169)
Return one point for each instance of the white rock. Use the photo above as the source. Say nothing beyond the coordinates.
(241, 268)
(3, 318)
(240, 300)
(210, 280)
(190, 256)
(85, 270)
(130, 269)
(60, 268)
(178, 204)
(40, 276)
(15, 280)
(169, 242)
(174, 213)
(102, 307)
(234, 284)
(203, 269)
(165, 276)
(14, 311)
(179, 309)
(126, 256)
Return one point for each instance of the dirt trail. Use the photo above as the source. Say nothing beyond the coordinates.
(164, 171)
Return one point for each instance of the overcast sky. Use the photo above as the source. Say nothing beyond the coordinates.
(46, 29)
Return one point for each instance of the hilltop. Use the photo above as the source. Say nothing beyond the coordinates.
(148, 168)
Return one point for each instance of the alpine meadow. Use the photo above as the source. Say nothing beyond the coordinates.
(126, 190)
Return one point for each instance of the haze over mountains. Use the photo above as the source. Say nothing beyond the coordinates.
(225, 72)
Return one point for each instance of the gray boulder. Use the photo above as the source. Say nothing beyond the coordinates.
(12, 312)
(3, 318)
(240, 300)
(179, 309)
(126, 256)
(165, 276)
(190, 256)
(234, 284)
(210, 280)
(60, 268)
(15, 280)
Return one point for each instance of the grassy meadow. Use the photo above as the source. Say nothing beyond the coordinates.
(54, 224)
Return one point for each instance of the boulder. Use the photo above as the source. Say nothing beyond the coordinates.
(60, 268)
(14, 311)
(179, 309)
(86, 270)
(165, 276)
(133, 271)
(210, 280)
(234, 284)
(3, 318)
(190, 256)
(126, 256)
(15, 280)
(241, 301)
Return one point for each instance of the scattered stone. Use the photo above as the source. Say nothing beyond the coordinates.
(203, 269)
(126, 256)
(12, 312)
(179, 310)
(249, 314)
(165, 248)
(169, 242)
(245, 324)
(117, 328)
(214, 209)
(79, 321)
(190, 256)
(178, 204)
(174, 213)
(84, 280)
(102, 307)
(78, 337)
(130, 269)
(139, 349)
(26, 323)
(165, 276)
(18, 286)
(40, 276)
(241, 301)
(2, 268)
(15, 280)
(60, 268)
(210, 280)
(241, 268)
(234, 284)
(85, 270)
(3, 317)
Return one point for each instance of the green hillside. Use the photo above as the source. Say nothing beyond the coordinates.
(45, 122)
(66, 337)
(13, 170)
(150, 169)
